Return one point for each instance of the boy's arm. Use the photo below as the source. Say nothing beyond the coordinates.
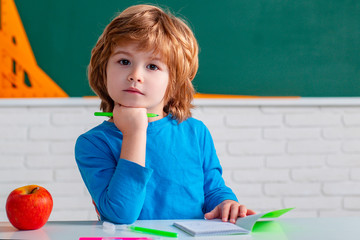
(220, 201)
(118, 188)
(133, 148)
(214, 185)
(132, 122)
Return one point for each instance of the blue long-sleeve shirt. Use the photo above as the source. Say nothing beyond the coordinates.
(181, 178)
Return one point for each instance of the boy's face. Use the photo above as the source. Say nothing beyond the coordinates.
(137, 79)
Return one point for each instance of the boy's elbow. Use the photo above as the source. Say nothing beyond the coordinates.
(121, 216)
(127, 220)
(118, 211)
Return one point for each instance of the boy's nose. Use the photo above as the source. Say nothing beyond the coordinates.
(135, 79)
(135, 76)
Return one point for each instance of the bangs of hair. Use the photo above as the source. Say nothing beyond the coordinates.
(146, 28)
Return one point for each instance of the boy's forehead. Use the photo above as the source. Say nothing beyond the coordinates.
(135, 48)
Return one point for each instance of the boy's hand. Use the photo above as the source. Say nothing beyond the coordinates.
(229, 209)
(130, 120)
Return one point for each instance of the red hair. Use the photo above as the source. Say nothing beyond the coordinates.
(154, 30)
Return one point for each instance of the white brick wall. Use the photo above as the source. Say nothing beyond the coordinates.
(275, 154)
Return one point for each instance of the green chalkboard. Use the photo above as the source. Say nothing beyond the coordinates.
(305, 48)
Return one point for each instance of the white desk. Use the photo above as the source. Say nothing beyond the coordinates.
(281, 229)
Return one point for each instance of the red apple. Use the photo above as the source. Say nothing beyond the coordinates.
(29, 207)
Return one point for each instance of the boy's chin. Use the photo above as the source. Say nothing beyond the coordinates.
(132, 105)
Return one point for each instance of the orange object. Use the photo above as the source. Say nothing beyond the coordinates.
(20, 76)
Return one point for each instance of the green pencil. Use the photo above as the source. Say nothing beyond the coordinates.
(153, 231)
(110, 114)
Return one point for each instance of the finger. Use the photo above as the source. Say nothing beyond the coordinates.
(242, 211)
(225, 212)
(250, 212)
(234, 211)
(213, 214)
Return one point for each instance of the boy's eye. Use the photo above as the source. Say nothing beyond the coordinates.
(124, 62)
(152, 67)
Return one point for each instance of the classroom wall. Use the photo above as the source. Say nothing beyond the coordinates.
(284, 154)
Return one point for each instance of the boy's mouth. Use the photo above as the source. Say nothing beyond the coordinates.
(133, 90)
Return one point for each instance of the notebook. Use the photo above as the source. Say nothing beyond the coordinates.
(202, 227)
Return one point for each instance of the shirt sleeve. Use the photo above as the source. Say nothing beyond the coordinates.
(215, 189)
(118, 188)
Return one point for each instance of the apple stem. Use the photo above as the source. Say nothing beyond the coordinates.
(34, 190)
